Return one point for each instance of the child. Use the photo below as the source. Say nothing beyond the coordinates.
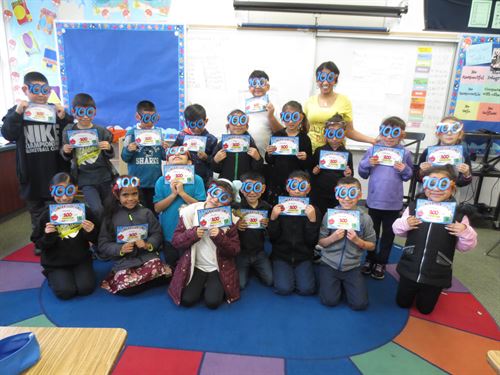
(91, 164)
(169, 197)
(252, 253)
(144, 161)
(425, 267)
(450, 132)
(231, 165)
(342, 252)
(385, 192)
(263, 123)
(207, 266)
(66, 258)
(38, 144)
(296, 125)
(137, 263)
(196, 122)
(323, 180)
(293, 239)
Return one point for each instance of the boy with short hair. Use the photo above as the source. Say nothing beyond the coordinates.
(38, 144)
(90, 164)
(293, 239)
(144, 162)
(196, 121)
(342, 251)
(169, 197)
(252, 253)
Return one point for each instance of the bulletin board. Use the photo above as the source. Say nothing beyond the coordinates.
(475, 98)
(122, 64)
(386, 77)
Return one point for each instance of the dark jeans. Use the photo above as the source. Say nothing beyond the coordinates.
(146, 196)
(36, 208)
(259, 262)
(68, 282)
(332, 281)
(299, 277)
(384, 218)
(206, 283)
(425, 296)
(171, 254)
(95, 196)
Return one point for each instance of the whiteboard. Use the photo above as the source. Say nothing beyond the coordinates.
(377, 75)
(219, 61)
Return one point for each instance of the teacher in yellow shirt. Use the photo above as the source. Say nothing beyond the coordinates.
(319, 108)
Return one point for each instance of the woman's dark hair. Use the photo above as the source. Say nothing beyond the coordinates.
(304, 128)
(62, 177)
(330, 65)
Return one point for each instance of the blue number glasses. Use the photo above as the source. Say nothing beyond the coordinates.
(257, 82)
(176, 150)
(334, 133)
(236, 120)
(343, 192)
(432, 183)
(84, 111)
(444, 128)
(60, 190)
(256, 187)
(219, 193)
(294, 184)
(195, 124)
(290, 116)
(124, 182)
(147, 118)
(389, 131)
(38, 89)
(324, 76)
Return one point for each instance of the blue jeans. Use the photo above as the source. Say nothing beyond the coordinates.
(95, 195)
(260, 263)
(330, 287)
(299, 277)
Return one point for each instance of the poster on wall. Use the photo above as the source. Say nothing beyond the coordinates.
(475, 98)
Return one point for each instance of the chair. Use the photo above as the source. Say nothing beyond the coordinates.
(415, 139)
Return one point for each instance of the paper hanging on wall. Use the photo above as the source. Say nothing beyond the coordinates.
(495, 24)
(46, 22)
(21, 12)
(29, 43)
(50, 58)
(479, 13)
(478, 54)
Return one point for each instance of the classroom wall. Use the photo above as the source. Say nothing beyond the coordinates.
(29, 43)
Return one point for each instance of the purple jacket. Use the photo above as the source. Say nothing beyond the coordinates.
(385, 187)
(228, 246)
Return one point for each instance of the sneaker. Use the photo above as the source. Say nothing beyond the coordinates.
(378, 271)
(366, 269)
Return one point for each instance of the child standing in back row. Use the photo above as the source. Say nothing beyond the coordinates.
(385, 190)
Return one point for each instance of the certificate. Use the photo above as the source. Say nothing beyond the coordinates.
(235, 143)
(182, 173)
(195, 143)
(40, 113)
(285, 145)
(131, 233)
(293, 206)
(61, 214)
(333, 160)
(256, 104)
(83, 138)
(435, 212)
(343, 219)
(388, 155)
(443, 155)
(253, 218)
(215, 217)
(147, 137)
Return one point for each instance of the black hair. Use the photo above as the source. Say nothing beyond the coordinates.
(300, 174)
(258, 74)
(330, 65)
(228, 188)
(304, 125)
(83, 100)
(195, 112)
(254, 176)
(62, 177)
(395, 121)
(336, 119)
(34, 77)
(448, 170)
(112, 206)
(237, 112)
(349, 180)
(145, 105)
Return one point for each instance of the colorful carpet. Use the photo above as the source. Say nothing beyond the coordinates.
(263, 333)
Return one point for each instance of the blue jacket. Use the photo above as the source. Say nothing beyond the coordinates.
(144, 163)
(385, 187)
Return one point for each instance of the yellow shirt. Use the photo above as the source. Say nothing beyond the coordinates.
(317, 116)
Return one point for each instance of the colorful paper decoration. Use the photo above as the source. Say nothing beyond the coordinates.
(30, 44)
(21, 12)
(46, 22)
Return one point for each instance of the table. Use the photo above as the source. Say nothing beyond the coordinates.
(74, 350)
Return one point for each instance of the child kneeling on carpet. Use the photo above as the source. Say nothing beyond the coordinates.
(207, 263)
(425, 268)
(66, 258)
(131, 236)
(342, 249)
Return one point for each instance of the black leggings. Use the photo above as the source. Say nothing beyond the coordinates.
(425, 296)
(385, 218)
(68, 282)
(209, 282)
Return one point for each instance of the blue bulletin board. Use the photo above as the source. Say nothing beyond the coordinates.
(122, 64)
(475, 98)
